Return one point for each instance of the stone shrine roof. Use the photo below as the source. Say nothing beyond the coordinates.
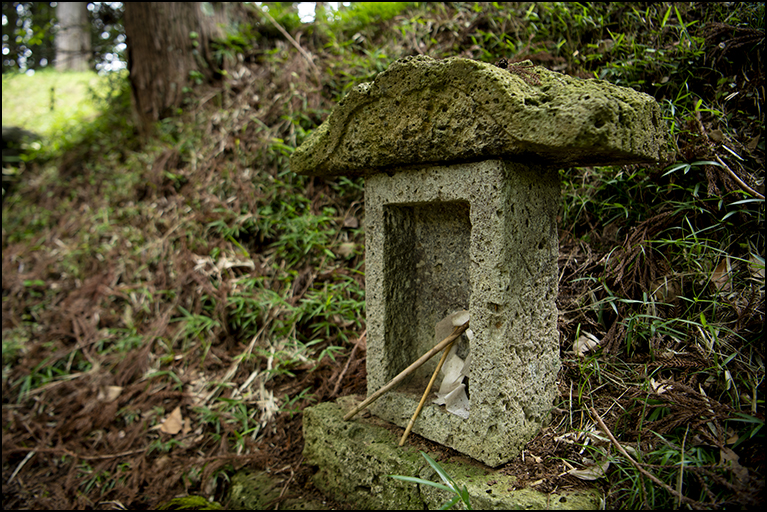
(426, 111)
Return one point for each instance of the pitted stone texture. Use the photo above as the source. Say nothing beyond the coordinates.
(479, 236)
(422, 110)
(353, 460)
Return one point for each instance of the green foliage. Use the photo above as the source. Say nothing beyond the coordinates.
(190, 503)
(291, 406)
(362, 15)
(27, 101)
(28, 37)
(236, 41)
(461, 494)
(285, 14)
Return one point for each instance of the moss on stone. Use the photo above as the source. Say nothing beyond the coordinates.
(422, 110)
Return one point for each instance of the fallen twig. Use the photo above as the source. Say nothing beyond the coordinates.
(348, 362)
(76, 456)
(656, 480)
(740, 181)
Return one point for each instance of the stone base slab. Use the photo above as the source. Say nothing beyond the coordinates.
(354, 459)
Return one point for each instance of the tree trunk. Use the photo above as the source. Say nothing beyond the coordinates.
(320, 12)
(167, 41)
(73, 40)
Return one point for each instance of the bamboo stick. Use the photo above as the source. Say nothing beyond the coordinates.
(457, 331)
(426, 393)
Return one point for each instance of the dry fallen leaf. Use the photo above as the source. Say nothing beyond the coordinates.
(173, 423)
(591, 471)
(658, 387)
(346, 249)
(109, 393)
(161, 463)
(753, 143)
(666, 289)
(584, 343)
(729, 457)
(721, 275)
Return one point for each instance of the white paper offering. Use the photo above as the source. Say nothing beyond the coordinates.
(452, 391)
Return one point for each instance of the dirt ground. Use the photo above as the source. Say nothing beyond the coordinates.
(71, 422)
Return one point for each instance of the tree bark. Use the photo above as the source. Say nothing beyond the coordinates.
(166, 42)
(73, 40)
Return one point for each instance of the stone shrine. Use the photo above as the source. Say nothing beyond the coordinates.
(461, 162)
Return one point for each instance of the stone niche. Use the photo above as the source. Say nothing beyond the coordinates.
(461, 160)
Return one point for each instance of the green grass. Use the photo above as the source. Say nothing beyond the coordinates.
(460, 493)
(27, 100)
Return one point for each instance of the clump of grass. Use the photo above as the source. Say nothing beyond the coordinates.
(461, 494)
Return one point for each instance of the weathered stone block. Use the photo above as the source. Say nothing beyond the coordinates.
(477, 236)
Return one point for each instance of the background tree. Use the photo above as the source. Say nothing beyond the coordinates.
(168, 50)
(30, 30)
(107, 36)
(27, 36)
(73, 39)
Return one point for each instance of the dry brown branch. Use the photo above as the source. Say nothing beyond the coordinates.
(64, 451)
(738, 180)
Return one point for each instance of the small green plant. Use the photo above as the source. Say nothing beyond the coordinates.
(162, 446)
(99, 479)
(461, 494)
(190, 503)
(291, 407)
